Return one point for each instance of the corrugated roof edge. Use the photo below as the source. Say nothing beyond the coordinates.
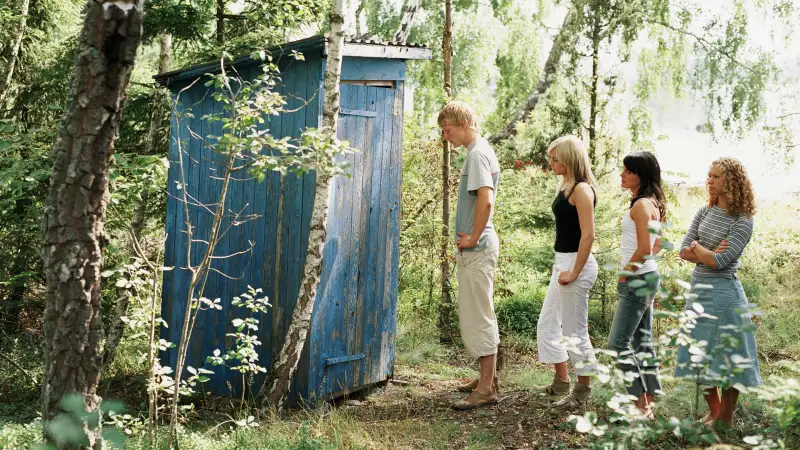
(318, 42)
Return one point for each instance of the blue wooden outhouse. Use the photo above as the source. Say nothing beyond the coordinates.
(351, 342)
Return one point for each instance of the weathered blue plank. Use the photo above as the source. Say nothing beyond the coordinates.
(335, 327)
(372, 235)
(373, 69)
(361, 185)
(225, 284)
(253, 231)
(168, 294)
(378, 312)
(181, 237)
(391, 302)
(258, 232)
(280, 321)
(294, 196)
(294, 124)
(278, 309)
(270, 236)
(208, 189)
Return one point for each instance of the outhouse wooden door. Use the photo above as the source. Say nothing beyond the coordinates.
(363, 211)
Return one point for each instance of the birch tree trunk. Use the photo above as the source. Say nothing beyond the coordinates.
(446, 307)
(76, 206)
(561, 42)
(593, 110)
(285, 363)
(410, 8)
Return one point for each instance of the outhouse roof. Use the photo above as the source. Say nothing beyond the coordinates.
(364, 48)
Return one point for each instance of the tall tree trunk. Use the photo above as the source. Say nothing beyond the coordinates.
(565, 37)
(285, 363)
(13, 53)
(116, 327)
(358, 18)
(410, 8)
(76, 206)
(593, 94)
(220, 32)
(446, 308)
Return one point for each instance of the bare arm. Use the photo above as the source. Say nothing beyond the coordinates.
(688, 254)
(641, 213)
(584, 202)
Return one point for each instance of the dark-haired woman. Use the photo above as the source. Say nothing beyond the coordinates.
(631, 330)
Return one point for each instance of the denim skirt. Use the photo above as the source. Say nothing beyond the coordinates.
(729, 355)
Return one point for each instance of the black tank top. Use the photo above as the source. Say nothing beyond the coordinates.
(568, 227)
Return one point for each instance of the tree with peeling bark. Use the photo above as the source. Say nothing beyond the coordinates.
(284, 365)
(446, 307)
(76, 207)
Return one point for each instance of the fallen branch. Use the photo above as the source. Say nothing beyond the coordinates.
(410, 221)
(16, 365)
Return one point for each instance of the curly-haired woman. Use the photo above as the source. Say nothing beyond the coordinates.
(715, 241)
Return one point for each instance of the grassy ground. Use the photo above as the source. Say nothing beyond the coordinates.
(412, 412)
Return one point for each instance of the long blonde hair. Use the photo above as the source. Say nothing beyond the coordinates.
(741, 200)
(571, 152)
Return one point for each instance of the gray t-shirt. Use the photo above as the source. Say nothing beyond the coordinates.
(481, 169)
(709, 227)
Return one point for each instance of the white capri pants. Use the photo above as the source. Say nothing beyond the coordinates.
(476, 317)
(565, 316)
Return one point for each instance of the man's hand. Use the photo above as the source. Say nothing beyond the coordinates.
(722, 246)
(465, 241)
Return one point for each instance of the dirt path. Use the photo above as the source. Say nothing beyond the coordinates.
(521, 419)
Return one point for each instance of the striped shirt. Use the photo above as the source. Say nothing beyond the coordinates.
(709, 227)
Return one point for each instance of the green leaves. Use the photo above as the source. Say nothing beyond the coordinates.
(243, 137)
(68, 428)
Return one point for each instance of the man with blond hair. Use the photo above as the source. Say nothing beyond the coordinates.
(478, 249)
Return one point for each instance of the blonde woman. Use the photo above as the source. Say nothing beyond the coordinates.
(714, 242)
(565, 312)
